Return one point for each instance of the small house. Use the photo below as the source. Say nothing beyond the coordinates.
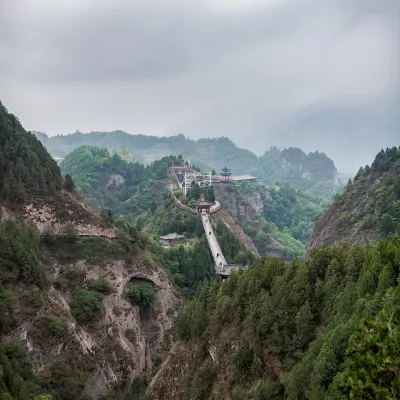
(168, 240)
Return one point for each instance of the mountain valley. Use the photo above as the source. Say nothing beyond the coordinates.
(92, 306)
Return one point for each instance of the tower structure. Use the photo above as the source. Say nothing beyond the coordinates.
(226, 174)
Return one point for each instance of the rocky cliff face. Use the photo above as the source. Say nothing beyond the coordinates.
(57, 212)
(236, 229)
(124, 343)
(243, 207)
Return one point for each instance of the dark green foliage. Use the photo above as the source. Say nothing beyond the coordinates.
(86, 306)
(170, 218)
(142, 295)
(199, 227)
(70, 233)
(107, 217)
(111, 182)
(194, 192)
(7, 304)
(125, 390)
(127, 244)
(67, 376)
(56, 327)
(100, 285)
(286, 166)
(372, 201)
(209, 194)
(19, 254)
(188, 266)
(372, 366)
(201, 382)
(17, 380)
(243, 358)
(308, 317)
(68, 183)
(25, 165)
(268, 389)
(234, 251)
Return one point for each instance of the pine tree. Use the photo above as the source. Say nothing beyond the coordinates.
(68, 183)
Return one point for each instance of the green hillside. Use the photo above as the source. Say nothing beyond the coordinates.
(25, 165)
(278, 218)
(314, 171)
(108, 181)
(327, 328)
(369, 207)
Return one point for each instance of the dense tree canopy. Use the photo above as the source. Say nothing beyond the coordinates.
(25, 165)
(110, 181)
(370, 203)
(313, 171)
(330, 325)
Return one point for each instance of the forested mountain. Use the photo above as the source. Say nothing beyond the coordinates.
(85, 300)
(25, 165)
(88, 301)
(279, 219)
(368, 209)
(314, 171)
(327, 328)
(108, 181)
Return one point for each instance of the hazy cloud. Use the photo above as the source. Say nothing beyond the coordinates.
(214, 67)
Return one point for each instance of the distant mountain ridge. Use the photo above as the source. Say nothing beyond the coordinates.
(289, 166)
(351, 129)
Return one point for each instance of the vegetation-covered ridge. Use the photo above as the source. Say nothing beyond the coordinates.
(368, 209)
(25, 165)
(279, 219)
(280, 225)
(62, 300)
(327, 328)
(111, 181)
(312, 171)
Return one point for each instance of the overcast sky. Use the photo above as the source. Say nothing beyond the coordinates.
(200, 67)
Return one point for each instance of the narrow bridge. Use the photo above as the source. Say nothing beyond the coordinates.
(184, 175)
(222, 268)
(216, 251)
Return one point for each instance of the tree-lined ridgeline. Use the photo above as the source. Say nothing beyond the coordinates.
(25, 165)
(330, 326)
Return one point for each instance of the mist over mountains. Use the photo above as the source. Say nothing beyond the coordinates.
(350, 129)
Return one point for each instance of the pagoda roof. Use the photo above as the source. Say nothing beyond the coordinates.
(204, 204)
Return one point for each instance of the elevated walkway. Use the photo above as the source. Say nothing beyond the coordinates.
(222, 268)
(216, 251)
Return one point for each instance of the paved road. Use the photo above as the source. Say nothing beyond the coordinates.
(219, 258)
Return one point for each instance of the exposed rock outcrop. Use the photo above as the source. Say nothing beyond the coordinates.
(58, 211)
(125, 341)
(243, 207)
(237, 230)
